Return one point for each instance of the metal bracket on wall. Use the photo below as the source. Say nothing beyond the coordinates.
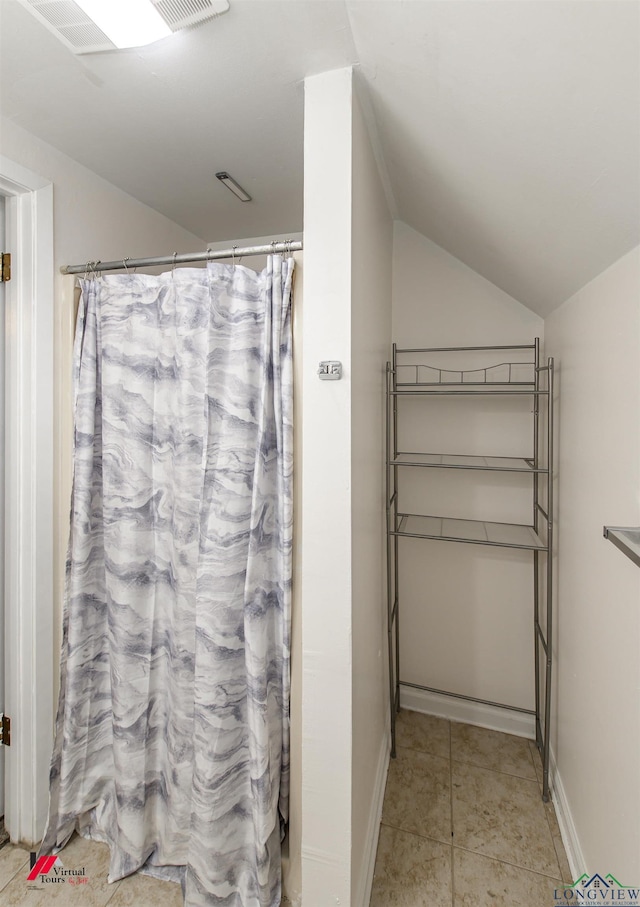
(627, 539)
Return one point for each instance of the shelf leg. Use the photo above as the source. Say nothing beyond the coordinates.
(391, 568)
(549, 621)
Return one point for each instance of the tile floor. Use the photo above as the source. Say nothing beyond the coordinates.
(135, 891)
(463, 823)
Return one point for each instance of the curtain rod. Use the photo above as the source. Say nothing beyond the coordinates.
(184, 258)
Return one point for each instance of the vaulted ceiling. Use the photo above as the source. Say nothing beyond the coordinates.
(509, 129)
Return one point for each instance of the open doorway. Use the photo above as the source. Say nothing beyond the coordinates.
(27, 469)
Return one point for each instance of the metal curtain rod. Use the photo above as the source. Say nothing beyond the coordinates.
(184, 258)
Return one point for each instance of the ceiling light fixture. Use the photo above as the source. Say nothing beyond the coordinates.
(128, 23)
(232, 186)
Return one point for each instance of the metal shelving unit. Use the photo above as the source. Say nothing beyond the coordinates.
(505, 378)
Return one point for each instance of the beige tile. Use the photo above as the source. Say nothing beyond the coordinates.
(491, 749)
(561, 854)
(502, 816)
(426, 733)
(78, 854)
(143, 891)
(481, 882)
(411, 871)
(417, 798)
(11, 860)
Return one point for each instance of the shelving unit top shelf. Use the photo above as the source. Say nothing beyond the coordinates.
(415, 390)
(434, 371)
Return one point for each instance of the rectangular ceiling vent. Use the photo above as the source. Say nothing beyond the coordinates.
(182, 13)
(71, 25)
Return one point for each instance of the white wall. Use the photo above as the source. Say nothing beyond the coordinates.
(92, 219)
(347, 316)
(326, 494)
(371, 260)
(595, 337)
(465, 610)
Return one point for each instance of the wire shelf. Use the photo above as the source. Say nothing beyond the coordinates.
(521, 374)
(416, 390)
(474, 532)
(433, 375)
(457, 461)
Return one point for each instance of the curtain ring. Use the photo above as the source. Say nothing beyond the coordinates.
(233, 257)
(173, 266)
(124, 263)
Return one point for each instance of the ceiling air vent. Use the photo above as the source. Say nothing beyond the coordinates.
(182, 13)
(79, 33)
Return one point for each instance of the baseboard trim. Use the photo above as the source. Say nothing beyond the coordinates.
(568, 832)
(489, 716)
(373, 828)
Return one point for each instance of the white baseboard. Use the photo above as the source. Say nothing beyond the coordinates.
(490, 716)
(577, 862)
(373, 828)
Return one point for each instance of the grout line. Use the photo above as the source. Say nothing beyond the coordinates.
(415, 833)
(453, 881)
(18, 869)
(498, 771)
(509, 863)
(413, 749)
(115, 886)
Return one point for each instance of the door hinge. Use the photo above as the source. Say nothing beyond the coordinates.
(5, 267)
(5, 730)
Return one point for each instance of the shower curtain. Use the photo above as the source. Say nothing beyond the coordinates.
(172, 735)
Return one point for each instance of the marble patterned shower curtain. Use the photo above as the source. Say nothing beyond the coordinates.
(172, 735)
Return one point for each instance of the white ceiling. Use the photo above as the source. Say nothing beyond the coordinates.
(510, 129)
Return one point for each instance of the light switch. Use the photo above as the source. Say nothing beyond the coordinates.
(330, 370)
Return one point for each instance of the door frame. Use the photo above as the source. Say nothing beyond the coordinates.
(29, 588)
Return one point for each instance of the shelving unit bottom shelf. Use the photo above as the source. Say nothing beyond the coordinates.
(475, 532)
